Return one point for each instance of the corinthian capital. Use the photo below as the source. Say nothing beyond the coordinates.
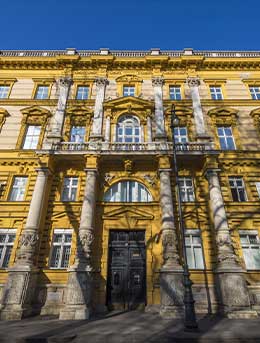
(101, 81)
(65, 81)
(193, 81)
(157, 81)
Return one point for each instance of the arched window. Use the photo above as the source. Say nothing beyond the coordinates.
(128, 191)
(128, 130)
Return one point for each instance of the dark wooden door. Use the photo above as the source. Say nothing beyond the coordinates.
(126, 271)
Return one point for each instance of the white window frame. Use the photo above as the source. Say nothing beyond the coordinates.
(128, 90)
(187, 192)
(226, 136)
(128, 122)
(5, 245)
(250, 265)
(41, 92)
(194, 264)
(237, 188)
(4, 91)
(62, 244)
(72, 189)
(78, 137)
(216, 93)
(128, 191)
(255, 92)
(82, 93)
(21, 188)
(31, 139)
(175, 92)
(178, 136)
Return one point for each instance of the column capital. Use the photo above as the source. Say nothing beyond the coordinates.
(193, 81)
(101, 81)
(91, 170)
(157, 81)
(211, 172)
(65, 81)
(43, 170)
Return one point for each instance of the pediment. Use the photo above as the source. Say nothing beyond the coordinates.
(66, 215)
(78, 110)
(35, 111)
(180, 109)
(129, 78)
(223, 111)
(128, 101)
(127, 212)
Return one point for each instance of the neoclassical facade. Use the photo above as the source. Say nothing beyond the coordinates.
(88, 207)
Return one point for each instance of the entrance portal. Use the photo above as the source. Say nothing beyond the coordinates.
(126, 288)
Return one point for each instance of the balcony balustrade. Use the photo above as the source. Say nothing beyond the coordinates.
(131, 147)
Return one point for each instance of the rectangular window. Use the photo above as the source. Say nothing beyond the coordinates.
(69, 191)
(237, 189)
(194, 250)
(32, 137)
(18, 188)
(175, 92)
(77, 134)
(180, 135)
(4, 91)
(186, 189)
(128, 91)
(7, 238)
(226, 139)
(82, 92)
(216, 93)
(251, 250)
(42, 92)
(61, 247)
(255, 92)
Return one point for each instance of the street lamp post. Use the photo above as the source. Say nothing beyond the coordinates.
(190, 321)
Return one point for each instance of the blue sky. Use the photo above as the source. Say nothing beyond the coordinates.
(132, 24)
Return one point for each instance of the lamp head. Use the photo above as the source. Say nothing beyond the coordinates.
(175, 121)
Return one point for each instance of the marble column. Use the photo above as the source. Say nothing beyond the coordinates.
(171, 278)
(18, 292)
(194, 83)
(107, 129)
(79, 287)
(149, 129)
(231, 284)
(160, 133)
(55, 134)
(96, 131)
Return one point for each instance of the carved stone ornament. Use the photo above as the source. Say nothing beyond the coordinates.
(157, 81)
(86, 239)
(65, 81)
(101, 81)
(150, 179)
(128, 165)
(225, 249)
(193, 81)
(170, 253)
(108, 178)
(29, 239)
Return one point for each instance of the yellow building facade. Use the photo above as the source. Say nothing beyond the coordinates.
(88, 212)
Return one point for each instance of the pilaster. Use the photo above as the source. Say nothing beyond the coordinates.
(160, 133)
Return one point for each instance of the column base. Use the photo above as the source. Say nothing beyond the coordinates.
(18, 294)
(96, 138)
(233, 294)
(75, 313)
(78, 298)
(160, 138)
(172, 293)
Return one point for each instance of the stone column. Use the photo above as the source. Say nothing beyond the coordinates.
(232, 289)
(96, 131)
(194, 83)
(79, 287)
(149, 129)
(160, 133)
(55, 134)
(107, 129)
(171, 279)
(18, 292)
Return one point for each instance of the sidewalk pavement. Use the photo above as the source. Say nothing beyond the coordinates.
(129, 327)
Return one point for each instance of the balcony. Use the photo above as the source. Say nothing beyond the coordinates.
(125, 148)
